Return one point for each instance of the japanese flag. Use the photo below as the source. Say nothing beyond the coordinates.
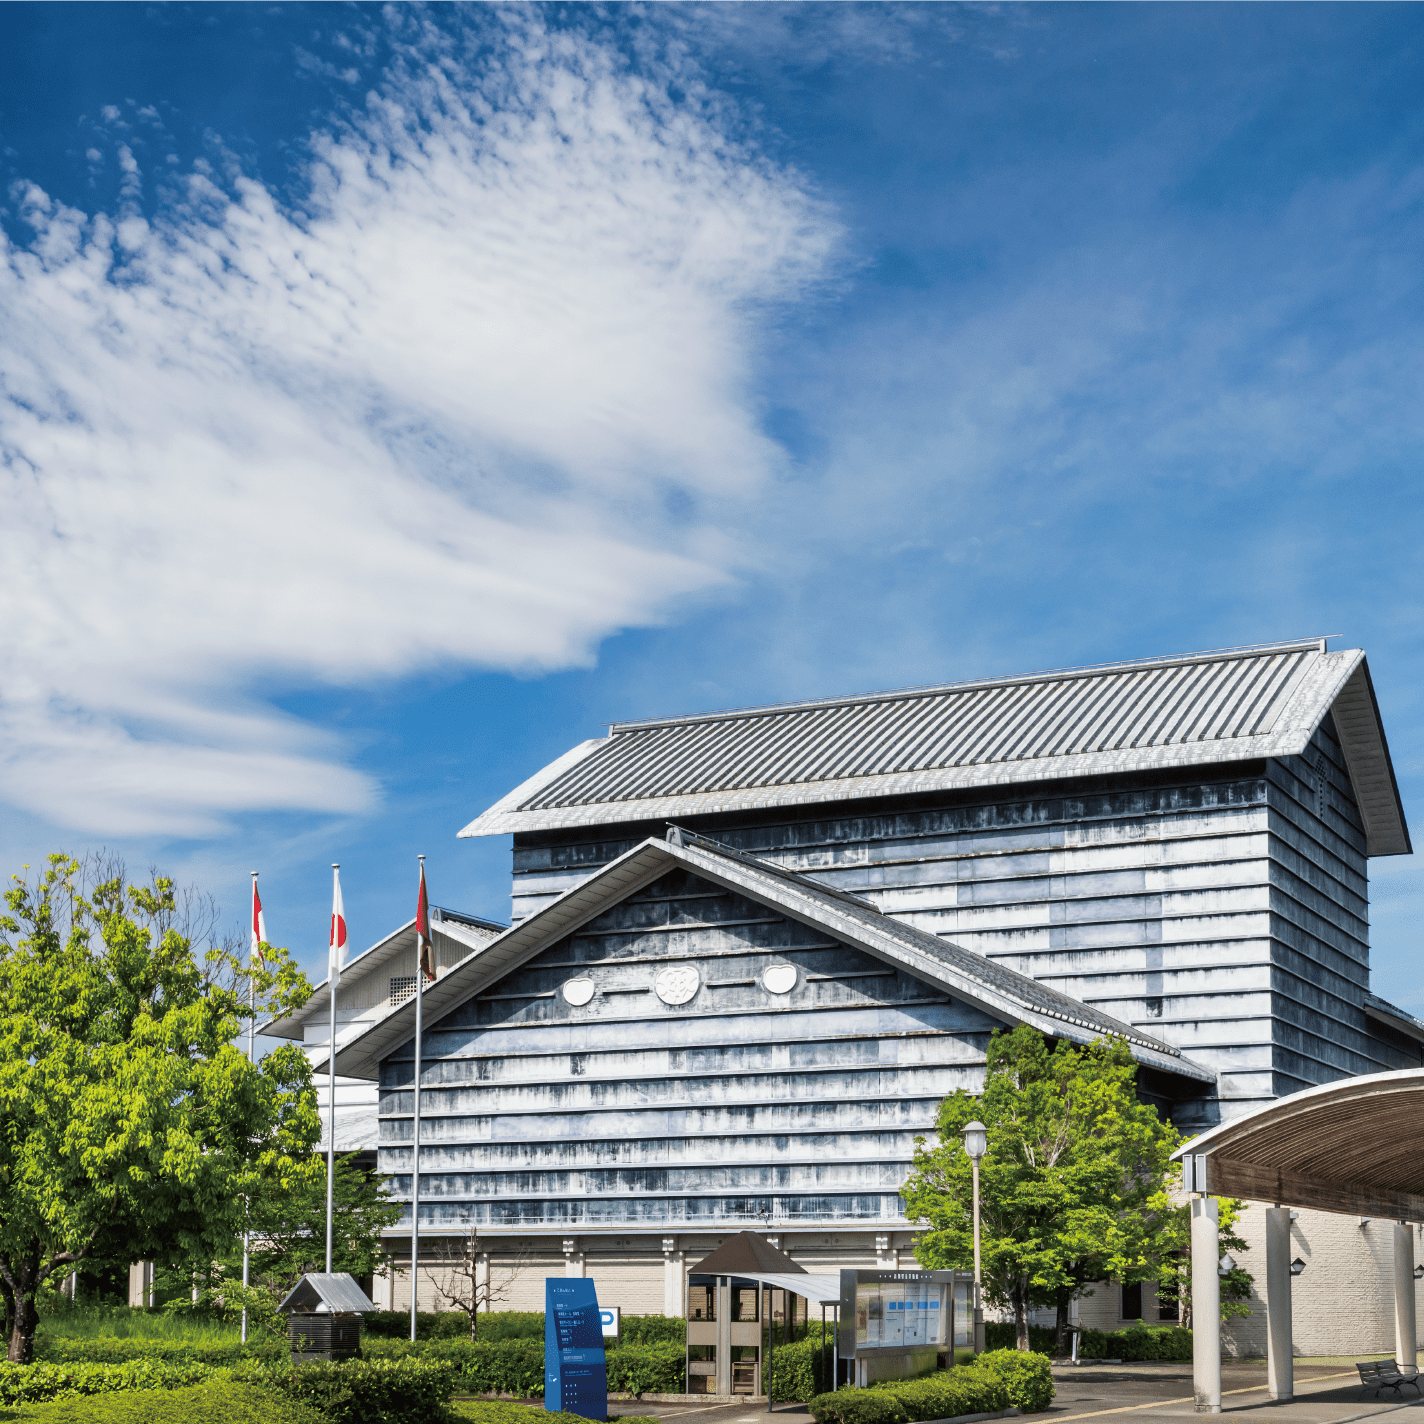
(338, 928)
(259, 926)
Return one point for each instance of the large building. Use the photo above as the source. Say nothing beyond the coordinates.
(752, 950)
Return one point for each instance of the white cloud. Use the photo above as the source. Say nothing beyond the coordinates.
(439, 417)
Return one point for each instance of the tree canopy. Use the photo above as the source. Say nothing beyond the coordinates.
(131, 1126)
(1073, 1187)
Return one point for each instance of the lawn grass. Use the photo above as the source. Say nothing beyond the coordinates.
(218, 1402)
(92, 1322)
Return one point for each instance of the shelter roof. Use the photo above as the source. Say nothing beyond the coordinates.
(998, 991)
(1351, 1146)
(1200, 709)
(468, 931)
(336, 1291)
(744, 1254)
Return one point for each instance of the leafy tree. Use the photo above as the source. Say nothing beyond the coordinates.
(1175, 1258)
(131, 1127)
(289, 1227)
(1072, 1184)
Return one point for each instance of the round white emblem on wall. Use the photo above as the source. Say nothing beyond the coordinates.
(677, 983)
(779, 978)
(578, 992)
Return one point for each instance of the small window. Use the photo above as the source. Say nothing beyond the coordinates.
(402, 989)
(1153, 1007)
(1132, 1302)
(1167, 1308)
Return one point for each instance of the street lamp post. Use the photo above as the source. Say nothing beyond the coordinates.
(976, 1140)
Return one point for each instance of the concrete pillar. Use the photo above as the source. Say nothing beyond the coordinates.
(674, 1279)
(1206, 1306)
(573, 1258)
(724, 1335)
(1406, 1340)
(1280, 1366)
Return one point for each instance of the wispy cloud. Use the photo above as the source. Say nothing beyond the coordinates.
(444, 414)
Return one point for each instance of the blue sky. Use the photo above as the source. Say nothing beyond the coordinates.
(393, 397)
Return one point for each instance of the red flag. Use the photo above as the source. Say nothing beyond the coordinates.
(425, 949)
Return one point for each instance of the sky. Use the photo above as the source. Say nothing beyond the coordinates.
(391, 397)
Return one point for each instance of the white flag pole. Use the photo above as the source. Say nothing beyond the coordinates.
(333, 979)
(251, 1058)
(415, 1158)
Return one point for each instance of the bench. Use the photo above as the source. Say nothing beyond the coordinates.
(1384, 1374)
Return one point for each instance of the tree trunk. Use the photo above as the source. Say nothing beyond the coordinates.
(1019, 1295)
(1063, 1301)
(9, 1298)
(25, 1275)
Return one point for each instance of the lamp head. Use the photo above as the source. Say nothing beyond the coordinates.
(1226, 1265)
(1419, 1273)
(1297, 1266)
(976, 1140)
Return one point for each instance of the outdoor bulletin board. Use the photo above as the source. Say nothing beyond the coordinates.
(575, 1367)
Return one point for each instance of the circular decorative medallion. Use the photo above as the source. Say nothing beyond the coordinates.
(779, 978)
(677, 983)
(578, 992)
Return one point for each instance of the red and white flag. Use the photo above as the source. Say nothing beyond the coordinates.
(338, 928)
(425, 949)
(259, 925)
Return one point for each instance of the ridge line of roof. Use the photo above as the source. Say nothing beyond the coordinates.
(1015, 679)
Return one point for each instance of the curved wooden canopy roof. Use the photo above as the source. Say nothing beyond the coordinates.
(1353, 1146)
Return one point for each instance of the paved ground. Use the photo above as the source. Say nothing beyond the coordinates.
(1327, 1392)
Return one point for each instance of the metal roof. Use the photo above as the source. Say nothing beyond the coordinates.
(1350, 1146)
(1233, 705)
(999, 991)
(337, 1291)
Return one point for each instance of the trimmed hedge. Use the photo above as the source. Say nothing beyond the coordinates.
(367, 1391)
(111, 1350)
(30, 1384)
(1004, 1335)
(1137, 1342)
(648, 1369)
(797, 1370)
(217, 1402)
(999, 1379)
(501, 1325)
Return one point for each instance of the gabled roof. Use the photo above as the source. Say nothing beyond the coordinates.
(746, 1253)
(468, 931)
(1204, 708)
(336, 1291)
(1000, 992)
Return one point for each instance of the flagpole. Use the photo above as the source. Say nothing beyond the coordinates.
(251, 1058)
(333, 978)
(415, 1159)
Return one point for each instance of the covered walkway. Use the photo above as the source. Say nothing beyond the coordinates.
(1351, 1147)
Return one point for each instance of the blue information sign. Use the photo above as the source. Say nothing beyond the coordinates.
(575, 1367)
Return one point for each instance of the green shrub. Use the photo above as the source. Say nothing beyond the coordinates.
(29, 1384)
(120, 1350)
(411, 1391)
(646, 1330)
(856, 1406)
(1027, 1375)
(1004, 1335)
(970, 1389)
(648, 1369)
(1137, 1342)
(433, 1325)
(499, 1367)
(217, 1402)
(801, 1370)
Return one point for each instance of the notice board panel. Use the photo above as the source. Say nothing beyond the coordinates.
(575, 1367)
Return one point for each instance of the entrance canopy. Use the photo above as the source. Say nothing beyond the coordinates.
(1351, 1146)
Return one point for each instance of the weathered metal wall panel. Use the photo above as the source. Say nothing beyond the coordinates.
(738, 1105)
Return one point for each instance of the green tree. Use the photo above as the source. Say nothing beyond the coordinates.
(131, 1126)
(289, 1227)
(1072, 1184)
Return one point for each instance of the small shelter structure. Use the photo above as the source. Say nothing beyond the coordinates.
(1351, 1146)
(324, 1316)
(731, 1298)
